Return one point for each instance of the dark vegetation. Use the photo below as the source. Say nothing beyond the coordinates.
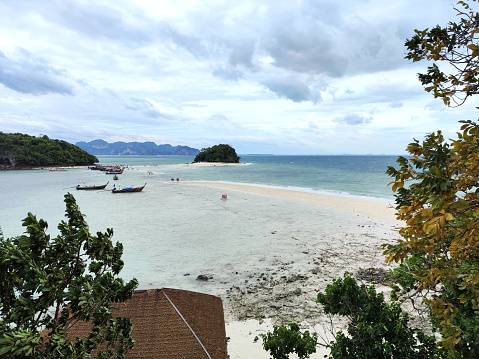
(18, 150)
(53, 284)
(218, 153)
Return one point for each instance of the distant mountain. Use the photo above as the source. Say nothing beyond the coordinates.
(100, 147)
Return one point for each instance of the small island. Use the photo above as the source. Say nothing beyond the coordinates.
(21, 151)
(218, 153)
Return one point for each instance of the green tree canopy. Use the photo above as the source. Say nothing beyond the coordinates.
(439, 204)
(438, 192)
(376, 329)
(284, 341)
(218, 153)
(48, 284)
(456, 44)
(29, 151)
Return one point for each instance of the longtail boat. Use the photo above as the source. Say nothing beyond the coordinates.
(128, 189)
(114, 170)
(92, 187)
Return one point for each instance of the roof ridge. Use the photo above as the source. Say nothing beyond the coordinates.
(191, 329)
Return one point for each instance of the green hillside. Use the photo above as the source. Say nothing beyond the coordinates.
(218, 153)
(23, 151)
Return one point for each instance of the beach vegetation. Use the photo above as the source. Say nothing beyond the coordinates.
(457, 46)
(439, 245)
(50, 285)
(285, 340)
(19, 150)
(218, 153)
(437, 193)
(437, 199)
(376, 329)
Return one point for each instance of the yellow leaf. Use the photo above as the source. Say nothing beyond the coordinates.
(429, 250)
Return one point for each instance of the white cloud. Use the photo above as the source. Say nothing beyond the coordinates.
(275, 76)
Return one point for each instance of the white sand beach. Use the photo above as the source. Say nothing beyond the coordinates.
(348, 242)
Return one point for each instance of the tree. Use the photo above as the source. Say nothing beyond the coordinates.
(439, 202)
(437, 197)
(456, 44)
(218, 153)
(283, 341)
(28, 151)
(437, 193)
(376, 329)
(49, 284)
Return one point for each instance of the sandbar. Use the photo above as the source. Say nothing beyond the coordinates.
(379, 209)
(322, 249)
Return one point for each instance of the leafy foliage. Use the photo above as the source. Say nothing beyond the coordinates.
(283, 341)
(376, 329)
(218, 153)
(457, 44)
(441, 233)
(49, 284)
(29, 151)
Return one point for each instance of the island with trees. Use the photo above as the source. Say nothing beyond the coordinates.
(21, 151)
(218, 153)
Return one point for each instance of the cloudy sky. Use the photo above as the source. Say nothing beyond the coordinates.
(265, 76)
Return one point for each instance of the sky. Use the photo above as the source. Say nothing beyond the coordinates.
(311, 77)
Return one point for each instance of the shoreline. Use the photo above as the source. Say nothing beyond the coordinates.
(287, 290)
(381, 209)
(42, 168)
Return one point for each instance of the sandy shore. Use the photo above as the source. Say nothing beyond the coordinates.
(375, 208)
(349, 241)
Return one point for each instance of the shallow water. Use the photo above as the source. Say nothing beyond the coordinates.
(173, 232)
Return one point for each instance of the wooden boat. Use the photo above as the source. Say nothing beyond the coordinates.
(128, 189)
(115, 171)
(115, 177)
(92, 187)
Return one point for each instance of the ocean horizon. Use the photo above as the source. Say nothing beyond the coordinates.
(173, 232)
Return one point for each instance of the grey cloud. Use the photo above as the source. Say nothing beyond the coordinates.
(303, 51)
(289, 88)
(353, 119)
(191, 43)
(228, 73)
(146, 108)
(242, 53)
(99, 21)
(396, 105)
(35, 76)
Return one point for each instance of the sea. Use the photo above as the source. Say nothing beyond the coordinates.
(171, 233)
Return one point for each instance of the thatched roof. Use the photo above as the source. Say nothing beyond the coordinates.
(172, 323)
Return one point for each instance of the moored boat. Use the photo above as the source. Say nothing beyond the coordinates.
(116, 171)
(92, 187)
(127, 189)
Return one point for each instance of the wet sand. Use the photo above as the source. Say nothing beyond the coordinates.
(287, 290)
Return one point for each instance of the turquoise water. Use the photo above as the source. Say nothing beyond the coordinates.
(354, 175)
(170, 229)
